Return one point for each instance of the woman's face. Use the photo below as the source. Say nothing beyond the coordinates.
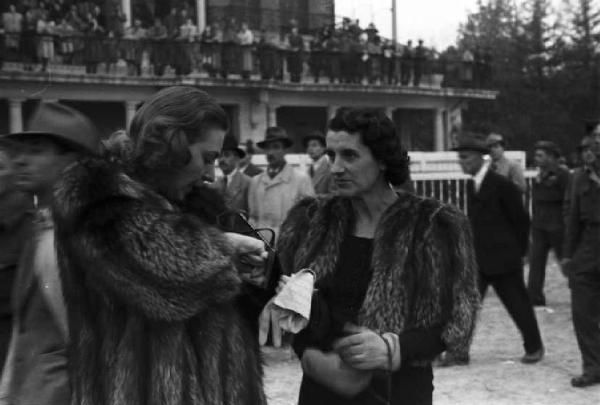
(6, 172)
(353, 166)
(204, 152)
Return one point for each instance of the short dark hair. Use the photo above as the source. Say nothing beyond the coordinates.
(378, 133)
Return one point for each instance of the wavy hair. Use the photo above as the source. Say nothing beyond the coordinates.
(378, 133)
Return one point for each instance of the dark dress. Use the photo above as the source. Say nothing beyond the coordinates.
(338, 301)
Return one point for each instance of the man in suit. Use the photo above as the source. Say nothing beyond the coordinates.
(35, 370)
(319, 170)
(503, 166)
(233, 183)
(581, 256)
(547, 225)
(501, 230)
(246, 166)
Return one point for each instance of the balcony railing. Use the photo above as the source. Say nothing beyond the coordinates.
(83, 54)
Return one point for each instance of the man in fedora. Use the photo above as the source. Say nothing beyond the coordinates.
(503, 166)
(35, 370)
(273, 193)
(581, 256)
(319, 169)
(547, 225)
(500, 228)
(233, 183)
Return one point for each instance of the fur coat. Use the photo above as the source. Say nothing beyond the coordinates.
(423, 262)
(150, 294)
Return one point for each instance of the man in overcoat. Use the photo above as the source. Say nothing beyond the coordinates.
(501, 231)
(233, 183)
(35, 370)
(319, 169)
(581, 258)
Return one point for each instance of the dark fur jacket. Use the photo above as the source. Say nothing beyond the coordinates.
(150, 294)
(423, 262)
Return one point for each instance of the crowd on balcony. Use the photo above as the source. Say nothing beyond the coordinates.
(37, 33)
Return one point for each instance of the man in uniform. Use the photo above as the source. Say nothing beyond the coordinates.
(547, 226)
(503, 166)
(581, 257)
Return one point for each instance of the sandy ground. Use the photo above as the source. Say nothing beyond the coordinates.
(495, 375)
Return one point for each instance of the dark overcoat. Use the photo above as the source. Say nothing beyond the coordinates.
(500, 224)
(150, 294)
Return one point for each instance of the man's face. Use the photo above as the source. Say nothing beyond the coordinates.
(275, 152)
(543, 159)
(228, 161)
(315, 149)
(496, 151)
(39, 164)
(470, 161)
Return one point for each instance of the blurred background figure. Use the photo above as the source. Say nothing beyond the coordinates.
(320, 168)
(15, 207)
(246, 166)
(233, 184)
(503, 166)
(547, 224)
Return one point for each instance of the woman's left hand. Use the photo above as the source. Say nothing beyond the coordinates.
(249, 251)
(362, 349)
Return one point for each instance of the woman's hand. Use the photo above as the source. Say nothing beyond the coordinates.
(329, 370)
(250, 251)
(362, 349)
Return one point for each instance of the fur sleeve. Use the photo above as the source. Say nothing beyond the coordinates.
(168, 265)
(292, 232)
(460, 294)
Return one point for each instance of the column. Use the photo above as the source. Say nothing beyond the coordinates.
(272, 115)
(331, 109)
(438, 141)
(126, 7)
(389, 112)
(130, 110)
(15, 115)
(201, 14)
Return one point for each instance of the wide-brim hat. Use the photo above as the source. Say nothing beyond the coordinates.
(471, 142)
(275, 137)
(313, 136)
(548, 146)
(65, 125)
(231, 144)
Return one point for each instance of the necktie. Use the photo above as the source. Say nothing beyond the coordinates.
(311, 171)
(225, 181)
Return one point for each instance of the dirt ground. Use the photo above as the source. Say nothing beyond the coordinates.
(495, 375)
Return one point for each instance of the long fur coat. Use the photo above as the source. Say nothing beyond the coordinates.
(150, 294)
(423, 262)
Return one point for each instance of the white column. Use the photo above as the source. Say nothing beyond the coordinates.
(15, 115)
(389, 112)
(130, 110)
(201, 14)
(126, 6)
(438, 141)
(331, 109)
(272, 115)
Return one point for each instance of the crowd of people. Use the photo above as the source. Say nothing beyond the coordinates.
(84, 33)
(139, 277)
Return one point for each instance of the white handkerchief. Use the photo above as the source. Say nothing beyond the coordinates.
(295, 300)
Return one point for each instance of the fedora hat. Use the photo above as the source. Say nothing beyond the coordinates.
(471, 142)
(313, 136)
(276, 134)
(494, 139)
(64, 125)
(548, 147)
(230, 144)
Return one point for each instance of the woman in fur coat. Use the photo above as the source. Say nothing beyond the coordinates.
(395, 274)
(151, 291)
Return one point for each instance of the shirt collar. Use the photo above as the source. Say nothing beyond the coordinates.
(230, 176)
(480, 175)
(320, 162)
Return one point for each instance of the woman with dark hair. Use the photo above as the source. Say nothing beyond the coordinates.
(395, 274)
(152, 291)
